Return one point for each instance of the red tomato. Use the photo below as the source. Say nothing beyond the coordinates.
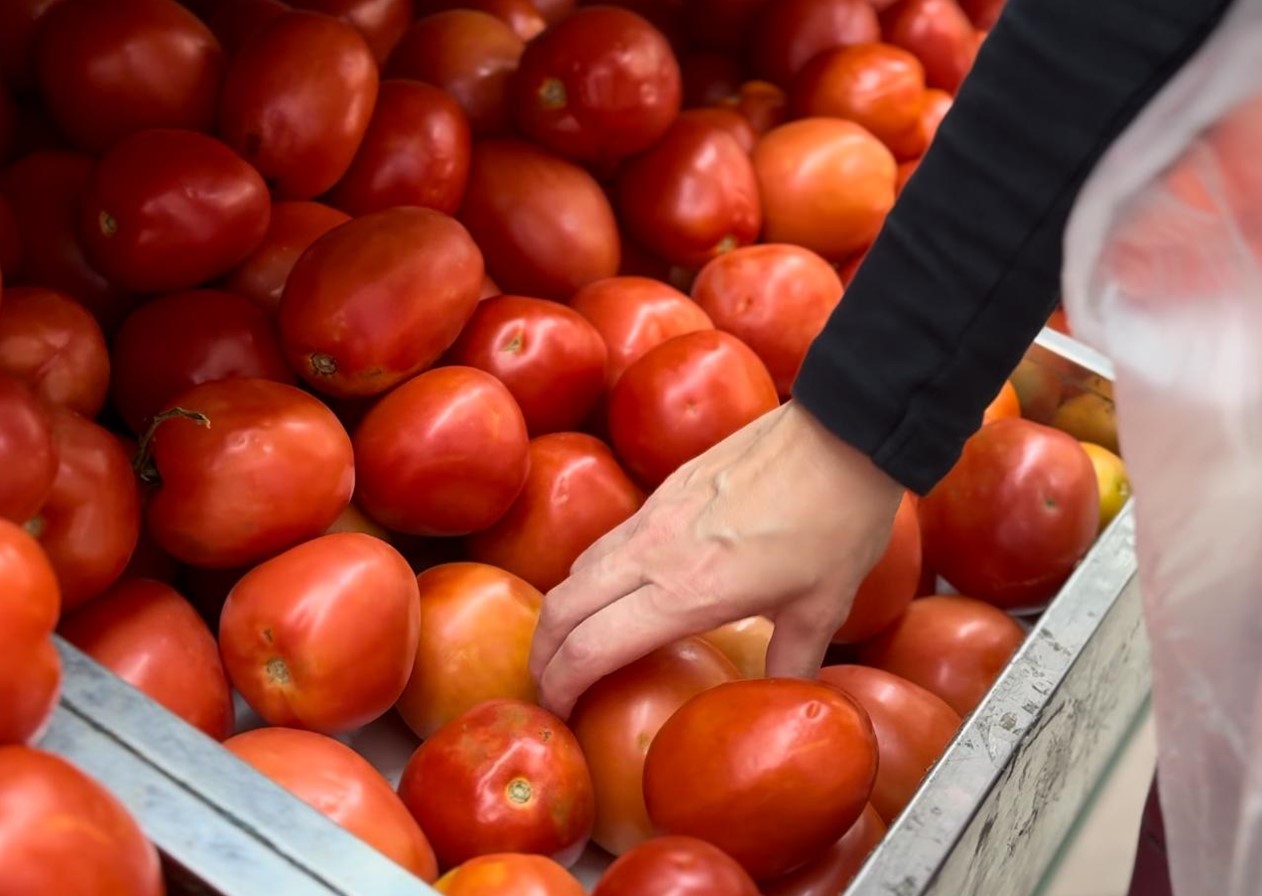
(636, 314)
(954, 647)
(509, 874)
(1005, 404)
(219, 506)
(506, 776)
(323, 636)
(744, 642)
(178, 341)
(236, 21)
(472, 55)
(379, 299)
(109, 68)
(1014, 516)
(764, 105)
(415, 152)
(940, 35)
(549, 356)
(876, 85)
(708, 78)
(32, 599)
(675, 866)
(775, 298)
(522, 16)
(296, 102)
(62, 832)
(476, 627)
(600, 86)
(832, 872)
(787, 34)
(618, 717)
(17, 44)
(510, 207)
(983, 13)
(554, 10)
(30, 682)
(293, 227)
(575, 492)
(905, 171)
(722, 25)
(912, 143)
(381, 22)
(771, 771)
(683, 397)
(891, 584)
(913, 729)
(152, 638)
(54, 346)
(27, 455)
(333, 778)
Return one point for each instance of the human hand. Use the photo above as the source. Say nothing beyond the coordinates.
(782, 519)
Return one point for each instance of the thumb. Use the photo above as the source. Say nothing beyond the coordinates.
(803, 631)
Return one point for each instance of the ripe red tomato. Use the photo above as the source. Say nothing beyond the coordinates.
(636, 314)
(476, 627)
(471, 55)
(510, 207)
(575, 492)
(236, 21)
(939, 34)
(148, 635)
(522, 16)
(601, 85)
(682, 398)
(109, 68)
(693, 196)
(983, 13)
(379, 299)
(62, 832)
(506, 776)
(675, 866)
(912, 143)
(381, 22)
(333, 778)
(722, 25)
(879, 86)
(744, 642)
(787, 34)
(774, 298)
(549, 356)
(53, 345)
(443, 454)
(954, 647)
(708, 78)
(219, 506)
(771, 771)
(296, 101)
(826, 185)
(32, 599)
(509, 874)
(832, 872)
(323, 636)
(293, 227)
(30, 682)
(725, 119)
(27, 455)
(1005, 404)
(891, 584)
(1014, 516)
(618, 717)
(763, 105)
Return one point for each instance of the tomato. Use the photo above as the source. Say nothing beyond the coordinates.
(832, 872)
(1011, 520)
(292, 228)
(708, 78)
(744, 642)
(381, 22)
(27, 454)
(891, 584)
(954, 647)
(1112, 480)
(510, 207)
(724, 119)
(472, 55)
(722, 25)
(109, 68)
(415, 152)
(54, 346)
(826, 185)
(549, 356)
(599, 86)
(775, 298)
(18, 19)
(336, 780)
(236, 21)
(575, 492)
(378, 300)
(30, 683)
(506, 776)
(522, 16)
(913, 143)
(148, 635)
(675, 866)
(1005, 404)
(32, 599)
(509, 874)
(178, 341)
(876, 85)
(787, 34)
(1089, 417)
(683, 397)
(764, 105)
(983, 13)
(62, 832)
(939, 34)
(618, 717)
(771, 771)
(476, 627)
(220, 506)
(296, 102)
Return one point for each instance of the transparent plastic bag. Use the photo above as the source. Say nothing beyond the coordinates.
(1163, 273)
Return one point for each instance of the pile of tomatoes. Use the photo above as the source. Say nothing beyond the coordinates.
(333, 331)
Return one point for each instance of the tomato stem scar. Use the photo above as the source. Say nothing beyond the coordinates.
(322, 364)
(519, 791)
(552, 94)
(108, 224)
(144, 466)
(277, 671)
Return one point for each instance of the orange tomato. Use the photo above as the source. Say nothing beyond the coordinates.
(1005, 404)
(509, 874)
(879, 86)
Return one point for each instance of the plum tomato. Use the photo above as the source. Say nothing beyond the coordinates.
(27, 453)
(291, 230)
(53, 344)
(675, 866)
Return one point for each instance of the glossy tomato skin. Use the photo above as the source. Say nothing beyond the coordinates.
(32, 597)
(617, 718)
(109, 68)
(296, 101)
(333, 778)
(477, 622)
(522, 16)
(506, 776)
(53, 345)
(147, 634)
(27, 454)
(832, 872)
(725, 119)
(601, 85)
(30, 684)
(983, 13)
(879, 86)
(772, 771)
(271, 468)
(509, 874)
(575, 492)
(939, 34)
(745, 643)
(787, 34)
(761, 103)
(415, 152)
(549, 356)
(891, 584)
(1014, 516)
(675, 866)
(708, 78)
(683, 397)
(510, 207)
(323, 635)
(381, 22)
(291, 229)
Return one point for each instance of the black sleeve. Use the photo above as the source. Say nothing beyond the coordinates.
(966, 270)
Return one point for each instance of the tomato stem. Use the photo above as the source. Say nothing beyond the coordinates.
(144, 466)
(323, 365)
(552, 94)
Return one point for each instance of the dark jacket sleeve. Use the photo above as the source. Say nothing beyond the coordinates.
(966, 269)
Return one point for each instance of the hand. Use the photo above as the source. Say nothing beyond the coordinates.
(782, 519)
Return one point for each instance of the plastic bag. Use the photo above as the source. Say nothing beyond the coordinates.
(1163, 273)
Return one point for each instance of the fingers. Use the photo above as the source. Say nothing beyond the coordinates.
(803, 631)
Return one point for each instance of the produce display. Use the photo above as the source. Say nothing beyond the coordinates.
(333, 331)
